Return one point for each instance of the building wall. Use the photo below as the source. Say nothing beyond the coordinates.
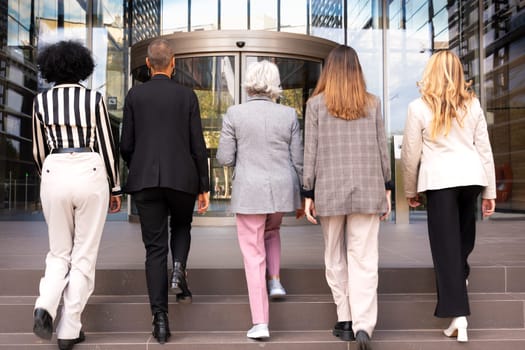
(394, 39)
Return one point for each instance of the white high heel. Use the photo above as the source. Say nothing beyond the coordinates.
(458, 328)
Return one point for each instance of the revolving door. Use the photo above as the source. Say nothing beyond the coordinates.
(213, 65)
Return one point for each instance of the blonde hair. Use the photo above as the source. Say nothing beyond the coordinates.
(343, 84)
(445, 91)
(262, 79)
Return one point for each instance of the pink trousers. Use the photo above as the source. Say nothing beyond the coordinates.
(260, 244)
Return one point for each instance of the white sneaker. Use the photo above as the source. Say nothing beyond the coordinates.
(259, 331)
(276, 289)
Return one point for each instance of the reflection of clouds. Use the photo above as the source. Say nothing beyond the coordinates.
(73, 12)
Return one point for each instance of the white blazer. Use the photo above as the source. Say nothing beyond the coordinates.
(462, 158)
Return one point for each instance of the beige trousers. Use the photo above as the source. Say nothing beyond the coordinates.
(75, 196)
(351, 260)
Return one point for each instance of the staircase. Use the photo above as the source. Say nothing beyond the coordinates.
(118, 318)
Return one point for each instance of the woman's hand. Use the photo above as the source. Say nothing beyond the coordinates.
(389, 205)
(309, 210)
(115, 203)
(488, 206)
(413, 201)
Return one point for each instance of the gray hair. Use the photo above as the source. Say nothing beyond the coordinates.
(262, 79)
(160, 53)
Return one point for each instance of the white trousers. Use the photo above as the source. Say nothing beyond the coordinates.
(351, 260)
(75, 197)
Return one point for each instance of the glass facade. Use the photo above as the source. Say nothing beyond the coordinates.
(394, 39)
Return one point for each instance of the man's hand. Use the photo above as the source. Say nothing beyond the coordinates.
(203, 201)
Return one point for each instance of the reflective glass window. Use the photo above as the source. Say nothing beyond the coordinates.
(174, 16)
(263, 14)
(326, 19)
(360, 14)
(504, 67)
(293, 16)
(234, 14)
(204, 14)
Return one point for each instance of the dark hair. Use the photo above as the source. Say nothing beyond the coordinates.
(65, 62)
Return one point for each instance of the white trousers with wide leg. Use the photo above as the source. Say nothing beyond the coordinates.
(75, 196)
(351, 260)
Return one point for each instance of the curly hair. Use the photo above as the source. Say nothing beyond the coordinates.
(65, 62)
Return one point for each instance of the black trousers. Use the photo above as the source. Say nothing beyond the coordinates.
(154, 206)
(452, 233)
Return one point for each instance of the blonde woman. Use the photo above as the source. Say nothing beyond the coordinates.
(262, 140)
(447, 155)
(347, 183)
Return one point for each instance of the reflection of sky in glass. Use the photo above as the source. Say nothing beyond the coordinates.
(263, 14)
(404, 68)
(368, 45)
(233, 14)
(174, 16)
(293, 16)
(73, 12)
(112, 11)
(204, 14)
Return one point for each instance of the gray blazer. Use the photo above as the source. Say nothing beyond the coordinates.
(346, 162)
(262, 140)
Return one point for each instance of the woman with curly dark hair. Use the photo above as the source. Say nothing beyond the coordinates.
(75, 154)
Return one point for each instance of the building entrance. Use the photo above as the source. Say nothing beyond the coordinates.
(212, 63)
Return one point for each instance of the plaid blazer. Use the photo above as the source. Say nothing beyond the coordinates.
(346, 162)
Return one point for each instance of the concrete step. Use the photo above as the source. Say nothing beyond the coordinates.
(280, 340)
(498, 279)
(296, 313)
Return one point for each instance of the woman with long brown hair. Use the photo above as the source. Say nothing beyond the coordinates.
(347, 183)
(447, 155)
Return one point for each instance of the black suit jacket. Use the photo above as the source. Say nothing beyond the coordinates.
(162, 141)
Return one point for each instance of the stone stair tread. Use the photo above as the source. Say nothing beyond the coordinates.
(427, 339)
(290, 298)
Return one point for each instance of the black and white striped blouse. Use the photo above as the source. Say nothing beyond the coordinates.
(72, 116)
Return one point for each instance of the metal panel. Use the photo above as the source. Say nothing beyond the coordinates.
(277, 43)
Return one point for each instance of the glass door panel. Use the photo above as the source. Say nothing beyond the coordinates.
(216, 82)
(298, 79)
(213, 78)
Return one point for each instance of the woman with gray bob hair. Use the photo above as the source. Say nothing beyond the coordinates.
(262, 140)
(262, 79)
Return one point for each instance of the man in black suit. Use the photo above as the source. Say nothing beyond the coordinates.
(163, 146)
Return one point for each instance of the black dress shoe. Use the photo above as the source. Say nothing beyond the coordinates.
(363, 340)
(43, 324)
(343, 330)
(67, 344)
(179, 285)
(161, 328)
